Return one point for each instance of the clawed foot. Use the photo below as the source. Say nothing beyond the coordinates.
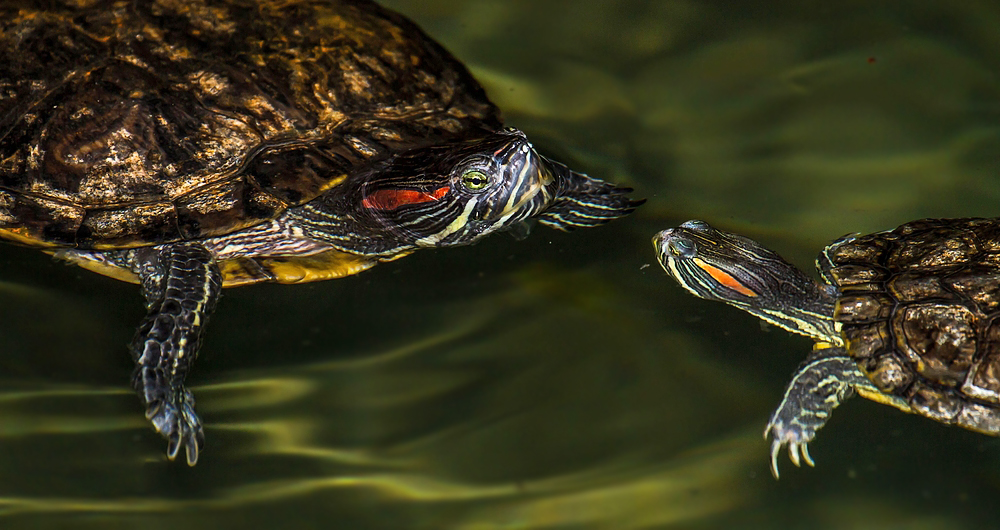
(822, 382)
(796, 437)
(181, 284)
(179, 424)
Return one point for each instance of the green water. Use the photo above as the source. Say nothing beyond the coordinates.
(562, 381)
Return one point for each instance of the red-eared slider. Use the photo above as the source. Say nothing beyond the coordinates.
(906, 317)
(197, 144)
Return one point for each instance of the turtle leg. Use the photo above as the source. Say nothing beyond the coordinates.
(825, 379)
(181, 283)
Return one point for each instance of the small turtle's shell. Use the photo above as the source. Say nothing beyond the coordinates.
(127, 123)
(919, 311)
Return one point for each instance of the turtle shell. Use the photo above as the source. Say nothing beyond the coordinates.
(918, 311)
(125, 124)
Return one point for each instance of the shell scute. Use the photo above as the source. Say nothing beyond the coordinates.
(927, 330)
(125, 124)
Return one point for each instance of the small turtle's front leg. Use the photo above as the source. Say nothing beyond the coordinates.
(181, 283)
(826, 378)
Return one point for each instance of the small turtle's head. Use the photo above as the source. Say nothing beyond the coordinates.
(455, 194)
(717, 265)
(730, 268)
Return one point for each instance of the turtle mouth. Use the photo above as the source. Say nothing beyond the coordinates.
(660, 241)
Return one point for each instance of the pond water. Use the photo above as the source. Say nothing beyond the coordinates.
(563, 381)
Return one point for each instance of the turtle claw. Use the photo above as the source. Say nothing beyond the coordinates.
(797, 453)
(797, 440)
(804, 449)
(820, 384)
(179, 425)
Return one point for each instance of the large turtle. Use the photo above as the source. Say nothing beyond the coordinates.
(906, 317)
(189, 145)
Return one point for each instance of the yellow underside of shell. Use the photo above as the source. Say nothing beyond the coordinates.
(244, 271)
(22, 237)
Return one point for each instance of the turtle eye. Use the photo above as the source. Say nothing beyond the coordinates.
(681, 248)
(475, 180)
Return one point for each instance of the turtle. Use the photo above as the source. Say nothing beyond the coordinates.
(192, 145)
(905, 317)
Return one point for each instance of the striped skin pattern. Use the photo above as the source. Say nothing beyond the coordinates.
(446, 195)
(730, 268)
(192, 145)
(456, 194)
(907, 317)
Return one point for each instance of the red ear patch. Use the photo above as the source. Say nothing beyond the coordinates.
(392, 199)
(725, 278)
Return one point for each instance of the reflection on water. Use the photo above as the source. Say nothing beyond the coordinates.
(502, 409)
(561, 381)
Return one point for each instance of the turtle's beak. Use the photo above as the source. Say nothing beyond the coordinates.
(660, 240)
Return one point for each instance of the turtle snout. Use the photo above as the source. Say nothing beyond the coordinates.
(661, 238)
(672, 242)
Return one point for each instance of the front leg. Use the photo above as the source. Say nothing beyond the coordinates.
(181, 283)
(822, 382)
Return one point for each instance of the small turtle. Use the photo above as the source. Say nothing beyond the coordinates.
(905, 317)
(192, 145)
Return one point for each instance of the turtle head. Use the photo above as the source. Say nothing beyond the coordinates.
(457, 193)
(725, 267)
